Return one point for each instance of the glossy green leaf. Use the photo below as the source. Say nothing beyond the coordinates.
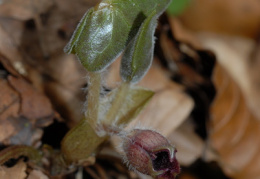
(138, 55)
(106, 29)
(70, 47)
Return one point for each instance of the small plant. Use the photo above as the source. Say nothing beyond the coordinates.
(105, 31)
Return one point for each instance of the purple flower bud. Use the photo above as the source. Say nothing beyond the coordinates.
(151, 153)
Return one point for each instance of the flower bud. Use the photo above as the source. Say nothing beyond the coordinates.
(151, 153)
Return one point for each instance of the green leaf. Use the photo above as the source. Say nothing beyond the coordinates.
(138, 55)
(106, 29)
(69, 48)
(130, 106)
(136, 101)
(80, 142)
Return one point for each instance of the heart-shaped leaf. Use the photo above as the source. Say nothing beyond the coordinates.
(106, 29)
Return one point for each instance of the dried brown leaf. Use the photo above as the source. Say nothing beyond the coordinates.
(244, 69)
(15, 172)
(235, 115)
(23, 9)
(236, 17)
(9, 106)
(9, 97)
(34, 105)
(182, 33)
(23, 110)
(234, 129)
(37, 174)
(9, 48)
(189, 145)
(28, 44)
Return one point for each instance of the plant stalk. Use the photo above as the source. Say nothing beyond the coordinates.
(94, 85)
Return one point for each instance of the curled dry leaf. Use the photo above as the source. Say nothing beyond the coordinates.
(34, 105)
(17, 171)
(23, 110)
(244, 69)
(234, 113)
(234, 129)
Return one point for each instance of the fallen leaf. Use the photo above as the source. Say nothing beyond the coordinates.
(238, 52)
(166, 111)
(235, 17)
(9, 106)
(27, 46)
(37, 174)
(9, 48)
(23, 110)
(235, 116)
(234, 128)
(9, 100)
(253, 96)
(34, 105)
(189, 145)
(26, 133)
(23, 9)
(17, 171)
(182, 33)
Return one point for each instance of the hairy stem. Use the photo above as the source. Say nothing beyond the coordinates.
(94, 85)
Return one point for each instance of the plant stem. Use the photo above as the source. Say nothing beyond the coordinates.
(117, 103)
(94, 85)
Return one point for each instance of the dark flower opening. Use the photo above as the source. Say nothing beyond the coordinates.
(151, 153)
(162, 161)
